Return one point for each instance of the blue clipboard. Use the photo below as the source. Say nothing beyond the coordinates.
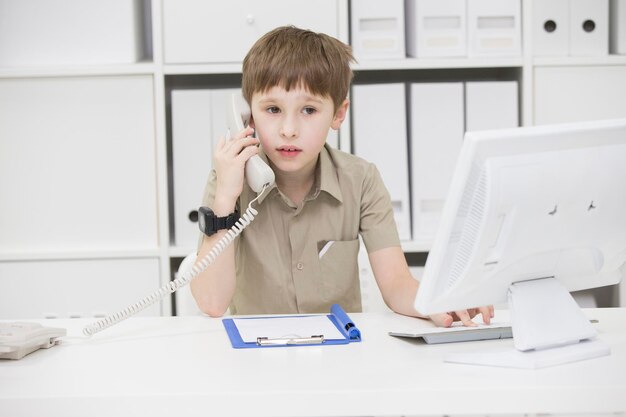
(338, 317)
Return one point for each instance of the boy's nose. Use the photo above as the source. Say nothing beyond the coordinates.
(289, 128)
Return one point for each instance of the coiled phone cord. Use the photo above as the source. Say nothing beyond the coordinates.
(182, 280)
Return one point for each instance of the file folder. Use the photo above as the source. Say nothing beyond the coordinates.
(436, 132)
(589, 28)
(198, 120)
(388, 103)
(550, 28)
(335, 328)
(491, 105)
(617, 27)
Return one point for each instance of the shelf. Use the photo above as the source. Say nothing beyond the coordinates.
(371, 65)
(416, 246)
(567, 61)
(179, 251)
(78, 70)
(438, 63)
(188, 69)
(120, 253)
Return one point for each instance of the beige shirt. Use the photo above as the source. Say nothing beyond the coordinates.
(303, 258)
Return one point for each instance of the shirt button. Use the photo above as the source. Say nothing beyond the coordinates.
(300, 266)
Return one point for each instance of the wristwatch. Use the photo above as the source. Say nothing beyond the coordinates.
(209, 223)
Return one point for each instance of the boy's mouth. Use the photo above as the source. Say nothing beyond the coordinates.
(288, 150)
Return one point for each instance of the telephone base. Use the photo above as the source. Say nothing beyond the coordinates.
(18, 339)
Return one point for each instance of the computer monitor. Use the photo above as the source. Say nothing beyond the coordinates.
(532, 214)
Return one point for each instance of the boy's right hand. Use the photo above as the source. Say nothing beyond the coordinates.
(464, 316)
(229, 159)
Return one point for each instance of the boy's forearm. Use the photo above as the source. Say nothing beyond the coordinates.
(403, 299)
(214, 288)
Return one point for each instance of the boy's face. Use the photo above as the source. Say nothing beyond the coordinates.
(292, 126)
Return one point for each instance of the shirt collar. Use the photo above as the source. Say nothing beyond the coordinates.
(325, 176)
(328, 175)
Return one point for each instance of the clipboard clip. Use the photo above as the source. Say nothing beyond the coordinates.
(285, 341)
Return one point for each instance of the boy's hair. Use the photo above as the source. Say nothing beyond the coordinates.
(290, 57)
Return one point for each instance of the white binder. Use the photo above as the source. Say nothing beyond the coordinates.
(550, 28)
(589, 27)
(436, 132)
(491, 105)
(380, 136)
(436, 28)
(617, 25)
(377, 29)
(494, 28)
(198, 120)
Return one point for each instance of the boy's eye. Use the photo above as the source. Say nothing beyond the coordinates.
(273, 109)
(309, 110)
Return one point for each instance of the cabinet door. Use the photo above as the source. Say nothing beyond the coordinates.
(198, 31)
(77, 164)
(570, 94)
(78, 288)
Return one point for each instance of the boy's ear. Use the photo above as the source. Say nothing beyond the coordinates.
(340, 115)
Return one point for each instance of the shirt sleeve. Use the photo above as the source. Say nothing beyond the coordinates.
(378, 226)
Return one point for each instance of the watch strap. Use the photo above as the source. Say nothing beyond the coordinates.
(226, 222)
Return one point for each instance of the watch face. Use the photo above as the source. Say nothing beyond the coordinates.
(205, 220)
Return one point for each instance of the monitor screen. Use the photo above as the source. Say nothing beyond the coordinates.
(530, 205)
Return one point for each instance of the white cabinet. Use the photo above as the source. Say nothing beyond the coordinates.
(71, 288)
(77, 164)
(198, 31)
(568, 94)
(89, 171)
(71, 32)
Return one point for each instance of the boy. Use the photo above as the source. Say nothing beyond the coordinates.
(299, 255)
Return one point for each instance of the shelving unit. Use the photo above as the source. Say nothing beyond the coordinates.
(163, 77)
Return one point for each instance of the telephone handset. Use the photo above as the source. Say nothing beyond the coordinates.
(259, 176)
(258, 173)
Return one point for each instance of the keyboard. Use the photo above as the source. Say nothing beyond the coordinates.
(459, 333)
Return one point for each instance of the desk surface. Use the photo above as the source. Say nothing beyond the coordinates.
(167, 366)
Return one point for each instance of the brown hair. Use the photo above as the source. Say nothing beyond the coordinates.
(290, 57)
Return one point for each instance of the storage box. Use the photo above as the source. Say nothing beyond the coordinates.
(494, 28)
(377, 29)
(436, 28)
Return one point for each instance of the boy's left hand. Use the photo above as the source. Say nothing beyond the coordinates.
(465, 316)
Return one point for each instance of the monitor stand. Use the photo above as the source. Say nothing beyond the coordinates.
(548, 329)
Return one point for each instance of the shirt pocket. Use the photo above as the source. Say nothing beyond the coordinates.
(340, 274)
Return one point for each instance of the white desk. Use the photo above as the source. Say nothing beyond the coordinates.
(171, 366)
